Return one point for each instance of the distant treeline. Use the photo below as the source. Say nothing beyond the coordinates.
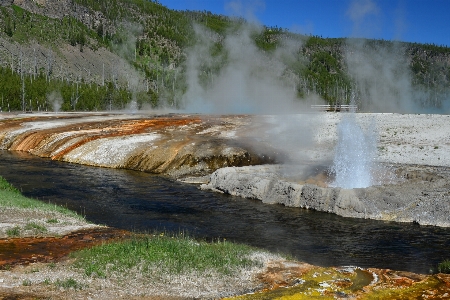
(156, 40)
(37, 93)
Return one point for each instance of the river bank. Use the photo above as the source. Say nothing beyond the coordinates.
(412, 166)
(420, 196)
(37, 260)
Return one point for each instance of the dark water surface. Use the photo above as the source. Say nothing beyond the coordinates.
(144, 202)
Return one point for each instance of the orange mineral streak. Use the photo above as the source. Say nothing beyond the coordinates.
(129, 128)
(185, 144)
(12, 124)
(282, 274)
(74, 146)
(392, 284)
(86, 132)
(445, 278)
(397, 278)
(20, 251)
(28, 141)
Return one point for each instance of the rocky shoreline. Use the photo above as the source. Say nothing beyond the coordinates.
(422, 197)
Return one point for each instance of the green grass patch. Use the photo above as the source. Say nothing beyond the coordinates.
(26, 282)
(51, 265)
(444, 267)
(12, 197)
(160, 253)
(12, 232)
(6, 186)
(35, 227)
(69, 283)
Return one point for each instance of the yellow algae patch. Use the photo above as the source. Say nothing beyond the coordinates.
(433, 287)
(318, 283)
(356, 283)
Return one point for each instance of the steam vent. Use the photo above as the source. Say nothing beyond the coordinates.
(276, 159)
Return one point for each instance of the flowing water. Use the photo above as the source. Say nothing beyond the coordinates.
(144, 202)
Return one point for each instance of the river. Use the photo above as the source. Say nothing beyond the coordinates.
(144, 202)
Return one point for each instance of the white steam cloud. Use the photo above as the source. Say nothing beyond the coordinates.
(243, 79)
(246, 10)
(55, 99)
(382, 76)
(363, 14)
(249, 80)
(360, 9)
(383, 80)
(379, 71)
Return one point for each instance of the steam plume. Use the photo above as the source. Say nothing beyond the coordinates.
(55, 99)
(382, 76)
(243, 79)
(248, 80)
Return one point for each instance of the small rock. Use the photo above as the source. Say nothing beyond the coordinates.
(324, 284)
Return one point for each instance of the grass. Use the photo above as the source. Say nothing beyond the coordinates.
(35, 227)
(444, 267)
(26, 282)
(12, 197)
(154, 257)
(160, 253)
(52, 265)
(16, 230)
(13, 232)
(69, 283)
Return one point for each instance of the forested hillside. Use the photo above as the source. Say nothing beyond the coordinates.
(118, 54)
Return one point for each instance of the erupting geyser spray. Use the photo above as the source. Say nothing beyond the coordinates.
(354, 154)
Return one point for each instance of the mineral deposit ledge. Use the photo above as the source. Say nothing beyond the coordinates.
(247, 155)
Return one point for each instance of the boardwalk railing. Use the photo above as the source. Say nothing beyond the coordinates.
(339, 107)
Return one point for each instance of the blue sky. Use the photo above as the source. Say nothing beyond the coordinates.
(422, 21)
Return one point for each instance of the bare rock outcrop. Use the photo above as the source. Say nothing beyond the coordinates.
(422, 197)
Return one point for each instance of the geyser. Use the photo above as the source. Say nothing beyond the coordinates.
(354, 156)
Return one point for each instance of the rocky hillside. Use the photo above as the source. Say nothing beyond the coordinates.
(98, 55)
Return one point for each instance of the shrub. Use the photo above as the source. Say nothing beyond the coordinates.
(444, 267)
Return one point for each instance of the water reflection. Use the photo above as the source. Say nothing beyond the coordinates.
(143, 202)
